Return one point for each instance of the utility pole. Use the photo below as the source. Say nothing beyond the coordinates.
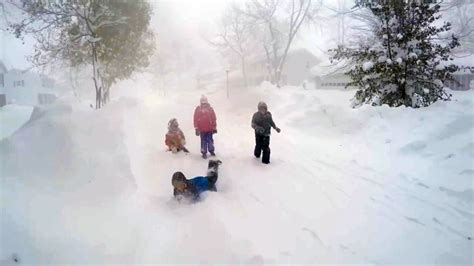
(227, 82)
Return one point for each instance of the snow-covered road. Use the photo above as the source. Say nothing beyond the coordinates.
(368, 185)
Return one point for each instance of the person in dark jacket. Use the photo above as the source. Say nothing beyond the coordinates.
(205, 126)
(190, 189)
(262, 122)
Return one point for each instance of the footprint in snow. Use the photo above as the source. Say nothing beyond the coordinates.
(422, 185)
(449, 156)
(313, 234)
(467, 172)
(466, 195)
(413, 220)
(452, 230)
(413, 147)
(346, 248)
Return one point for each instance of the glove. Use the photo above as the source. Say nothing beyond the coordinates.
(197, 132)
(259, 130)
(214, 131)
(278, 130)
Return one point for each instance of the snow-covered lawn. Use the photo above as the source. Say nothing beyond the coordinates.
(12, 117)
(369, 185)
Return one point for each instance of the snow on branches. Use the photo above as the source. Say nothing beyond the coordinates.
(407, 64)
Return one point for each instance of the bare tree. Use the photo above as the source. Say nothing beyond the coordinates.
(235, 38)
(461, 14)
(279, 22)
(343, 14)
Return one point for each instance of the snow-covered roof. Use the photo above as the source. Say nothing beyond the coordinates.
(466, 60)
(299, 51)
(465, 64)
(18, 71)
(327, 68)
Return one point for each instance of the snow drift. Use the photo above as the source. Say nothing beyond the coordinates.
(12, 117)
(369, 185)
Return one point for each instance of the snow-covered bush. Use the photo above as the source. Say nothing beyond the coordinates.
(406, 65)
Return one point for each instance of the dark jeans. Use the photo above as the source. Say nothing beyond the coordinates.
(262, 143)
(207, 142)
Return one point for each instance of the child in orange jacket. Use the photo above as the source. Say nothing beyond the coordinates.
(175, 139)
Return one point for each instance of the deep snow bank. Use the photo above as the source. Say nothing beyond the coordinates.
(64, 174)
(12, 117)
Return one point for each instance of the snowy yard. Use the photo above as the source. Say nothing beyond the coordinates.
(13, 117)
(369, 185)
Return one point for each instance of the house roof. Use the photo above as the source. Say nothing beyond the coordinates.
(3, 68)
(261, 58)
(465, 64)
(23, 71)
(327, 68)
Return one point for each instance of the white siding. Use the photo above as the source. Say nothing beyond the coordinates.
(24, 87)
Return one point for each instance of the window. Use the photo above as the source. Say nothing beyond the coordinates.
(47, 83)
(3, 100)
(46, 98)
(19, 83)
(2, 80)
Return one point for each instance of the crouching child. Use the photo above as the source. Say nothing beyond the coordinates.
(174, 138)
(190, 189)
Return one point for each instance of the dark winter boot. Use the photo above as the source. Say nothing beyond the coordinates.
(214, 164)
(266, 156)
(212, 173)
(266, 149)
(212, 153)
(204, 156)
(257, 152)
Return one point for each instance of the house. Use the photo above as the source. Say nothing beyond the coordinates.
(296, 70)
(464, 79)
(464, 76)
(331, 76)
(3, 71)
(25, 87)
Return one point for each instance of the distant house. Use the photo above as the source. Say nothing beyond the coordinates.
(3, 71)
(26, 87)
(331, 76)
(296, 70)
(464, 77)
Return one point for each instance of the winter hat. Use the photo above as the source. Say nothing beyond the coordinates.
(177, 178)
(262, 105)
(172, 124)
(203, 99)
